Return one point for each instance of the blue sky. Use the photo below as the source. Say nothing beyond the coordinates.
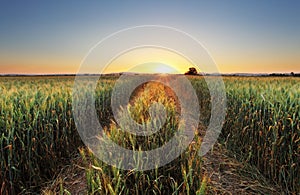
(242, 36)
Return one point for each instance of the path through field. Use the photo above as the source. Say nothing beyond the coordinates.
(225, 174)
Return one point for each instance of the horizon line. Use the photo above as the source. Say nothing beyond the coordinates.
(118, 73)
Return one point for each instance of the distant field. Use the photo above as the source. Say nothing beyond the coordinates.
(38, 134)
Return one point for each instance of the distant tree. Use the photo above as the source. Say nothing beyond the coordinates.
(192, 71)
(292, 74)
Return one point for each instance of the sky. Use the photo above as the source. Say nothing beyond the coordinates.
(53, 37)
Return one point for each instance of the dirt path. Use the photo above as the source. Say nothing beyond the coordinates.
(225, 175)
(229, 176)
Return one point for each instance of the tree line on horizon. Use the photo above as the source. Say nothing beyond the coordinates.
(193, 71)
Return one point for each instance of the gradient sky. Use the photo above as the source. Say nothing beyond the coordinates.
(241, 36)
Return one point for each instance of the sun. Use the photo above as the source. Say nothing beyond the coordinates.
(154, 68)
(163, 69)
(149, 60)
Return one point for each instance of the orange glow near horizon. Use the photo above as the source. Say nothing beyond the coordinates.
(148, 60)
(127, 61)
(181, 66)
(38, 65)
(123, 63)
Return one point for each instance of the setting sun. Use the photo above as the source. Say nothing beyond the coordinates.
(163, 69)
(149, 60)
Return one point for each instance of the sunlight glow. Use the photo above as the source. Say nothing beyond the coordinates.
(152, 60)
(163, 69)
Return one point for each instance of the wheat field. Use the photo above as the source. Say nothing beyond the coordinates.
(38, 134)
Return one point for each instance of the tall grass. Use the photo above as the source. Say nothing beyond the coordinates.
(263, 126)
(182, 176)
(37, 131)
(38, 134)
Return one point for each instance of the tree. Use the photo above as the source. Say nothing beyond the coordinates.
(192, 71)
